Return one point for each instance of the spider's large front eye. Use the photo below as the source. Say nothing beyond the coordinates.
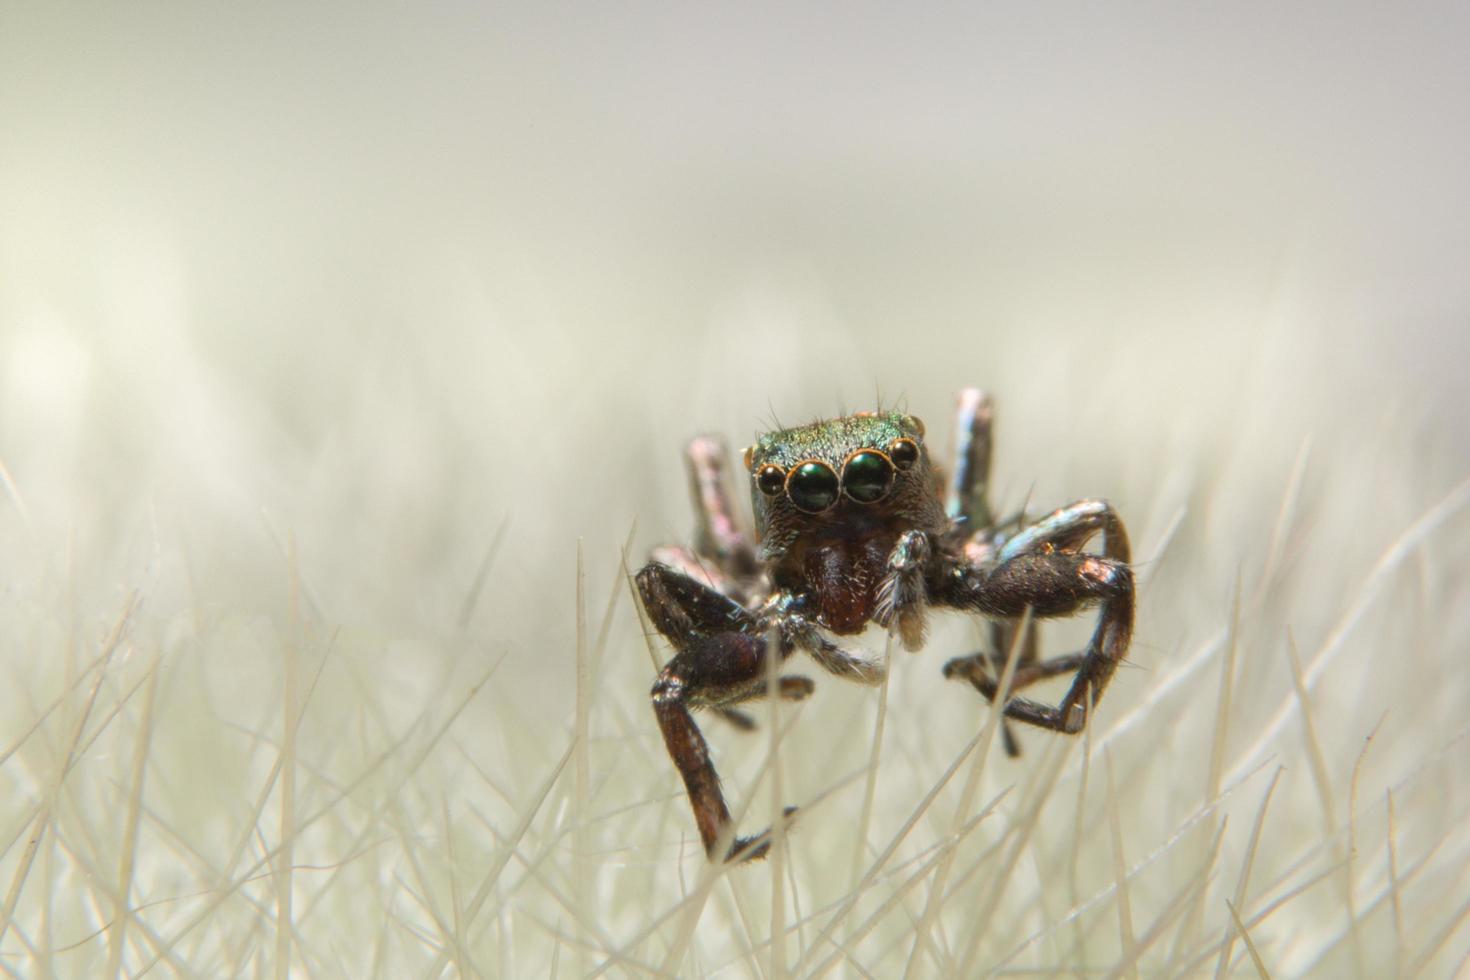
(812, 487)
(867, 476)
(771, 479)
(904, 452)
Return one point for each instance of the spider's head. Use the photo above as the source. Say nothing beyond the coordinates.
(844, 478)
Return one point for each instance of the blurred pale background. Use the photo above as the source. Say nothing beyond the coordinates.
(368, 284)
(397, 273)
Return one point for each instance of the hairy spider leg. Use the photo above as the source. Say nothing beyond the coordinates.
(720, 661)
(723, 555)
(717, 534)
(1043, 568)
(967, 502)
(966, 497)
(903, 595)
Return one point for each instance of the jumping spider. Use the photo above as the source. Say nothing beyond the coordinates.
(855, 524)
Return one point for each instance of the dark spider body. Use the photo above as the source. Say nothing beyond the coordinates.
(838, 557)
(856, 525)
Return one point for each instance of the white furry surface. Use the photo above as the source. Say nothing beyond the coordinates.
(326, 337)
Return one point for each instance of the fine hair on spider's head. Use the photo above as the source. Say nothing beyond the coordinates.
(862, 468)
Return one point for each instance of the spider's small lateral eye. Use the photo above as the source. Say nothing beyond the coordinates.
(866, 476)
(904, 452)
(771, 480)
(812, 487)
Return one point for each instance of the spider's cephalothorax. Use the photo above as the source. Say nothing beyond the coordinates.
(856, 525)
(831, 502)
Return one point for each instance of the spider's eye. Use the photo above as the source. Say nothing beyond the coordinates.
(904, 452)
(867, 476)
(812, 487)
(771, 480)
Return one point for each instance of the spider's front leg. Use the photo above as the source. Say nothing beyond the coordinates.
(1044, 569)
(720, 661)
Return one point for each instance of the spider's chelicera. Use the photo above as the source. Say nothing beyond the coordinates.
(855, 524)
